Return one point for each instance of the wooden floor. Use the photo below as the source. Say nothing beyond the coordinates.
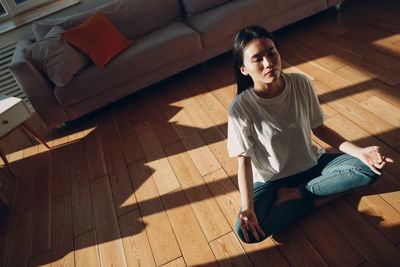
(147, 180)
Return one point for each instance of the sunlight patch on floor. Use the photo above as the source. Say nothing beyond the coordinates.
(36, 149)
(72, 137)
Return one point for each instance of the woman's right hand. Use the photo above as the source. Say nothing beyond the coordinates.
(249, 222)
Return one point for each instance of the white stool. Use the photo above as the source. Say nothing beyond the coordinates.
(13, 114)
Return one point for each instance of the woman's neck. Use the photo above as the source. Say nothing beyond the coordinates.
(270, 90)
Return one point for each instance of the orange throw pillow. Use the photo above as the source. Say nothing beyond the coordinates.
(97, 38)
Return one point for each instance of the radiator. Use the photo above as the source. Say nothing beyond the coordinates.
(8, 85)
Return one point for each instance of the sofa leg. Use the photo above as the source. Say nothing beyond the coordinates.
(339, 6)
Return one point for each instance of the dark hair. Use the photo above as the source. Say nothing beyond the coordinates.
(242, 39)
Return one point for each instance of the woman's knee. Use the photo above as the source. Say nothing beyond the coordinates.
(368, 174)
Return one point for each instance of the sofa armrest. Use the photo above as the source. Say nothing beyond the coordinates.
(37, 88)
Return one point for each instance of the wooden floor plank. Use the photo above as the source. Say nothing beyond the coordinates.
(207, 100)
(7, 222)
(328, 111)
(297, 249)
(135, 241)
(41, 212)
(211, 135)
(204, 206)
(62, 241)
(369, 87)
(380, 214)
(155, 108)
(363, 237)
(191, 240)
(86, 250)
(82, 209)
(162, 240)
(25, 194)
(369, 119)
(388, 187)
(42, 260)
(373, 32)
(373, 70)
(135, 106)
(290, 47)
(95, 156)
(270, 252)
(329, 241)
(21, 241)
(228, 251)
(219, 148)
(163, 174)
(388, 76)
(288, 68)
(327, 90)
(353, 47)
(225, 193)
(222, 67)
(60, 177)
(108, 234)
(179, 262)
(126, 132)
(224, 93)
(385, 61)
(122, 190)
(384, 110)
(199, 117)
(353, 133)
(199, 152)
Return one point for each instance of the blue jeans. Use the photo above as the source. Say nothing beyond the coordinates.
(334, 173)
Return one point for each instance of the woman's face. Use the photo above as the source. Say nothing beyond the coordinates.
(261, 60)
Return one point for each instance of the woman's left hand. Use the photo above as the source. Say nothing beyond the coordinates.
(372, 157)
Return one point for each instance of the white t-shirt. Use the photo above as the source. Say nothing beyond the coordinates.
(276, 132)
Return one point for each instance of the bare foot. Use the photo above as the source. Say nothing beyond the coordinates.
(285, 194)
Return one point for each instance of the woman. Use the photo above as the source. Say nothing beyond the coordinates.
(282, 175)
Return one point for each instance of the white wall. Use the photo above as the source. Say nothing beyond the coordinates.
(16, 34)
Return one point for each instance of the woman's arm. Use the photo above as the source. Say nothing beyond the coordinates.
(371, 156)
(245, 179)
(248, 218)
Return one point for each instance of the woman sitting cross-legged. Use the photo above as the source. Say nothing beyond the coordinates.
(282, 175)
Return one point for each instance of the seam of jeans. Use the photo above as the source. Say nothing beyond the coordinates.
(350, 167)
(329, 177)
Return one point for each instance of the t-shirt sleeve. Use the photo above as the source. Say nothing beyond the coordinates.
(317, 116)
(240, 141)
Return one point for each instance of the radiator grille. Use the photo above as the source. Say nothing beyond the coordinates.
(8, 85)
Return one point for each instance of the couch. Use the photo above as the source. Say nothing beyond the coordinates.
(170, 36)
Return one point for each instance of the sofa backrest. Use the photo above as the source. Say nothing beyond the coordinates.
(42, 27)
(193, 7)
(134, 18)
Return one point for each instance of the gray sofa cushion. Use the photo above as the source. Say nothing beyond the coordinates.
(220, 22)
(134, 18)
(159, 48)
(193, 7)
(56, 58)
